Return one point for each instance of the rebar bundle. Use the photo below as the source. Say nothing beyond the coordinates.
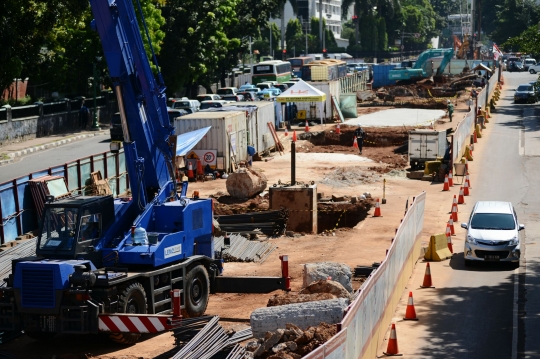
(24, 249)
(243, 250)
(271, 223)
(209, 340)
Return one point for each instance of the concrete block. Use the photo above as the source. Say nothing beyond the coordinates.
(303, 315)
(338, 272)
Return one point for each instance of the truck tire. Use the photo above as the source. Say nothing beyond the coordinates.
(131, 301)
(197, 291)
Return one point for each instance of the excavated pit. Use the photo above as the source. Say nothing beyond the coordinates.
(332, 216)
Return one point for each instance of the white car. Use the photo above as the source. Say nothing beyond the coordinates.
(534, 69)
(492, 233)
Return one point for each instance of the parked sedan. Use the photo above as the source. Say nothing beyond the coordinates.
(525, 93)
(515, 66)
(534, 69)
(492, 233)
(268, 93)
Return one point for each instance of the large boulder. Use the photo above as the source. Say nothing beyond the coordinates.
(246, 183)
(328, 287)
(338, 272)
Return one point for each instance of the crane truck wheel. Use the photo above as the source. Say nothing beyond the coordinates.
(197, 291)
(131, 301)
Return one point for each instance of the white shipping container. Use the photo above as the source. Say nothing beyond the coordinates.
(330, 88)
(259, 134)
(426, 145)
(225, 125)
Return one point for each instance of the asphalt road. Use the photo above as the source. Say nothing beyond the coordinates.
(54, 157)
(471, 312)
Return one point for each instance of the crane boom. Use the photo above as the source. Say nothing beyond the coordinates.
(141, 99)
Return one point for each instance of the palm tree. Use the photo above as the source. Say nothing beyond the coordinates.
(281, 6)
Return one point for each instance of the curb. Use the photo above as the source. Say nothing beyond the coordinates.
(47, 146)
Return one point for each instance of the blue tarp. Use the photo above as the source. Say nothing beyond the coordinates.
(186, 141)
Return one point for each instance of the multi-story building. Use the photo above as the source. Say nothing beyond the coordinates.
(331, 11)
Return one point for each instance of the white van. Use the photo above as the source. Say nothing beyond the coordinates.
(184, 103)
(527, 63)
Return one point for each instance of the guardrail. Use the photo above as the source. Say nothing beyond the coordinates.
(17, 209)
(362, 330)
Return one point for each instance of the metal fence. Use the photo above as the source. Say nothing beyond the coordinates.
(17, 209)
(465, 128)
(363, 328)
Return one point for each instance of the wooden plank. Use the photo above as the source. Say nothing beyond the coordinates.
(335, 106)
(279, 146)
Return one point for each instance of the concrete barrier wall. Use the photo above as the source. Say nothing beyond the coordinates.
(369, 315)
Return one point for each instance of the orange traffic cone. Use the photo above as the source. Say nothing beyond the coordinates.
(338, 129)
(446, 187)
(461, 200)
(410, 313)
(427, 279)
(449, 239)
(452, 229)
(451, 179)
(190, 174)
(294, 136)
(307, 127)
(377, 209)
(286, 131)
(466, 188)
(466, 164)
(475, 138)
(199, 167)
(355, 143)
(454, 213)
(454, 202)
(392, 348)
(468, 180)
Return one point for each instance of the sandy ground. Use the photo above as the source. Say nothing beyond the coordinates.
(365, 243)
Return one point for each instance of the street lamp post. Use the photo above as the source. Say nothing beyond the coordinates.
(95, 125)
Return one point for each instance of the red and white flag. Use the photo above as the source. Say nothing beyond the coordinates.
(496, 52)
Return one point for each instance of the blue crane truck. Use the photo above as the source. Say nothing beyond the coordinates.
(418, 72)
(103, 255)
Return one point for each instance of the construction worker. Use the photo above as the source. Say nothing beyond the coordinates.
(360, 135)
(450, 108)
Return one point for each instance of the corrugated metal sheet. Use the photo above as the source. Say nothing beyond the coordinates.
(330, 88)
(259, 133)
(348, 105)
(222, 123)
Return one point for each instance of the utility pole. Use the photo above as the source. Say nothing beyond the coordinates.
(320, 25)
(270, 27)
(95, 126)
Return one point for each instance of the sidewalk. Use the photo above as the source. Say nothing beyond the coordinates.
(9, 153)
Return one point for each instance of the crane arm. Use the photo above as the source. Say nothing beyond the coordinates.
(141, 99)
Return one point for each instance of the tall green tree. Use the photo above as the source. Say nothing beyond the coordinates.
(329, 38)
(24, 27)
(294, 28)
(195, 40)
(509, 19)
(527, 42)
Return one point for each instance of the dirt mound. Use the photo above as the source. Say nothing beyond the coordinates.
(284, 299)
(384, 145)
(225, 204)
(291, 343)
(350, 176)
(327, 286)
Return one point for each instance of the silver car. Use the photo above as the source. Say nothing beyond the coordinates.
(492, 233)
